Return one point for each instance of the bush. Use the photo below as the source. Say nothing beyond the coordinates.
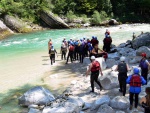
(103, 16)
(71, 16)
(84, 18)
(96, 20)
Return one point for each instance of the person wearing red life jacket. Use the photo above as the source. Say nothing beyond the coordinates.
(94, 68)
(70, 53)
(135, 81)
(145, 66)
(107, 43)
(49, 44)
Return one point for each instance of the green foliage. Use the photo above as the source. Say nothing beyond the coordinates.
(26, 9)
(71, 16)
(96, 19)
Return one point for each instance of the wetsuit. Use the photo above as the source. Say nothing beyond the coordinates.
(52, 55)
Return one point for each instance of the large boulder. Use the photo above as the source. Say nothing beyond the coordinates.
(113, 22)
(143, 49)
(111, 62)
(76, 100)
(135, 60)
(37, 96)
(109, 81)
(4, 30)
(67, 107)
(114, 56)
(105, 109)
(102, 63)
(105, 99)
(52, 20)
(16, 24)
(120, 102)
(142, 40)
(33, 110)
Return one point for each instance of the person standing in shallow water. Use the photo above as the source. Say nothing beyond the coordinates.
(145, 101)
(135, 81)
(122, 68)
(94, 68)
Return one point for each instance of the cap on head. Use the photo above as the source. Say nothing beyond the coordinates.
(136, 71)
(143, 55)
(92, 57)
(122, 59)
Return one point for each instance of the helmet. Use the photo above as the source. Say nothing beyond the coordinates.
(92, 57)
(122, 59)
(143, 54)
(136, 71)
(93, 37)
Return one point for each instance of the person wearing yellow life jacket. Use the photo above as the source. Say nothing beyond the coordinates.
(94, 68)
(52, 53)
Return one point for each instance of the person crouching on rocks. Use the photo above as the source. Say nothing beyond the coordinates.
(94, 68)
(52, 53)
(145, 101)
(122, 68)
(95, 52)
(135, 81)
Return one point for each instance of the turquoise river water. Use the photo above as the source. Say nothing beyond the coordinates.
(21, 44)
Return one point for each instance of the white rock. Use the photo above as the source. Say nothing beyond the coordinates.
(105, 109)
(120, 112)
(73, 82)
(111, 62)
(105, 99)
(102, 63)
(122, 45)
(33, 106)
(110, 80)
(114, 56)
(86, 106)
(33, 110)
(76, 100)
(145, 50)
(120, 102)
(54, 110)
(37, 95)
(135, 60)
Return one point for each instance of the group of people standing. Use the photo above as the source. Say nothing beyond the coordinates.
(135, 80)
(78, 49)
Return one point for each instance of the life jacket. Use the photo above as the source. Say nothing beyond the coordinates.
(135, 81)
(95, 66)
(143, 64)
(122, 67)
(107, 40)
(71, 48)
(52, 51)
(105, 55)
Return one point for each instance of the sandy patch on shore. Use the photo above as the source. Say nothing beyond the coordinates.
(35, 69)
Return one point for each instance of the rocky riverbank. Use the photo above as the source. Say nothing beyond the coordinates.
(76, 98)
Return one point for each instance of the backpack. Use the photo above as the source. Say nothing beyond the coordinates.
(122, 67)
(71, 48)
(135, 81)
(95, 66)
(52, 51)
(143, 64)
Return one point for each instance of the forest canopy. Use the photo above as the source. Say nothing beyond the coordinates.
(122, 10)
